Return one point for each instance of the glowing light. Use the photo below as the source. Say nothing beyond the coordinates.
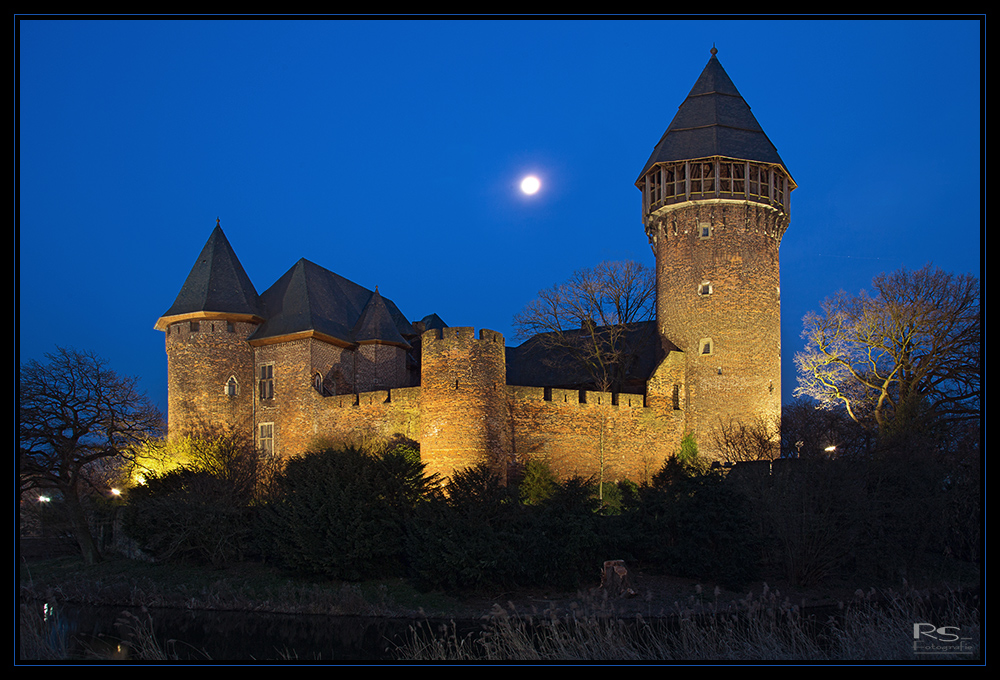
(116, 492)
(530, 185)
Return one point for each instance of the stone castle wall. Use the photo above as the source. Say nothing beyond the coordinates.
(463, 401)
(463, 412)
(592, 434)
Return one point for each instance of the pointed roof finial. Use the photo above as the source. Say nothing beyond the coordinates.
(713, 50)
(217, 220)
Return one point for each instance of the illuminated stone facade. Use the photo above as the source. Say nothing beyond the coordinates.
(318, 360)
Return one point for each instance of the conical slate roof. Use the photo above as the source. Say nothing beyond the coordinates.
(217, 283)
(376, 324)
(310, 298)
(433, 321)
(714, 120)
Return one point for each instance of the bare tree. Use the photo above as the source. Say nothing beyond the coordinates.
(910, 352)
(75, 416)
(593, 319)
(742, 442)
(595, 325)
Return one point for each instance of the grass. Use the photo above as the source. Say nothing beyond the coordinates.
(873, 627)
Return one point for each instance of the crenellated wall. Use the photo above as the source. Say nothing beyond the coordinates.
(592, 434)
(358, 419)
(464, 411)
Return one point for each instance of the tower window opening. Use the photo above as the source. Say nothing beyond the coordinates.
(232, 387)
(705, 289)
(705, 346)
(732, 178)
(267, 381)
(702, 178)
(195, 326)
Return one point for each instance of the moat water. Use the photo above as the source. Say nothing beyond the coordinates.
(200, 635)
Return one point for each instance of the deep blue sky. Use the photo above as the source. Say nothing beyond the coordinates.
(390, 153)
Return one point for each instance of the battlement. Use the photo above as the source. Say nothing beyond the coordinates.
(583, 398)
(400, 395)
(441, 338)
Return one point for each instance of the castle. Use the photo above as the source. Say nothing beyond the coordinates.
(316, 358)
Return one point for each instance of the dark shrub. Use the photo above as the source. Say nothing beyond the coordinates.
(690, 522)
(189, 514)
(343, 514)
(204, 511)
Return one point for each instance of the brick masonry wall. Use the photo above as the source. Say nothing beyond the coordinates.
(627, 439)
(464, 411)
(335, 364)
(380, 366)
(368, 417)
(462, 414)
(740, 379)
(199, 364)
(290, 408)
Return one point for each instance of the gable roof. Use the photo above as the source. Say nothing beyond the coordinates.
(217, 283)
(714, 120)
(310, 298)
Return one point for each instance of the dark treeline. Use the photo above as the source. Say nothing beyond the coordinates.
(354, 515)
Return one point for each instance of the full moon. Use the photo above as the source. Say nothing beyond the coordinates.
(530, 185)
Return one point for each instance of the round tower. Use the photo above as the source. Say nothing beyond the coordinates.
(210, 366)
(464, 418)
(715, 204)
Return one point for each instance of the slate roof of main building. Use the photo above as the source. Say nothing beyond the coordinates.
(714, 120)
(306, 298)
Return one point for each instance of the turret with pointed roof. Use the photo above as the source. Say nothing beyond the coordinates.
(713, 120)
(714, 148)
(210, 366)
(227, 345)
(216, 287)
(715, 204)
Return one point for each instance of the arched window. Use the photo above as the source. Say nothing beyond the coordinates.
(232, 387)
